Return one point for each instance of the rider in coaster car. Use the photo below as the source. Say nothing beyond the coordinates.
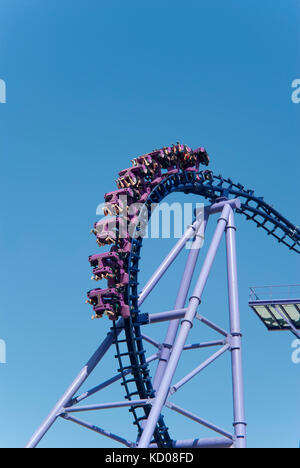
(109, 302)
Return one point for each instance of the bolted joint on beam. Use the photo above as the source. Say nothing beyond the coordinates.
(167, 345)
(196, 297)
(243, 424)
(234, 341)
(164, 353)
(142, 319)
(223, 219)
(229, 226)
(188, 321)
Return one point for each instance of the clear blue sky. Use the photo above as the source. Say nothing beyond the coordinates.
(89, 86)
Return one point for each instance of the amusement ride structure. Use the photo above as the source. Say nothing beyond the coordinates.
(152, 177)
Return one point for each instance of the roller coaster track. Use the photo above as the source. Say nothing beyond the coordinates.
(153, 177)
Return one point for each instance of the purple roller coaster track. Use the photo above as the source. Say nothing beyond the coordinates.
(150, 179)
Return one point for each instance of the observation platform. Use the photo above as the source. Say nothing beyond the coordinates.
(278, 307)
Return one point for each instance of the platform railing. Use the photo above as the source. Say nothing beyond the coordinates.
(274, 292)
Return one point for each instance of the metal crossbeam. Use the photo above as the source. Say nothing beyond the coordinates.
(99, 430)
(199, 420)
(198, 369)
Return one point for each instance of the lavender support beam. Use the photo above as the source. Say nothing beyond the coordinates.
(216, 442)
(107, 383)
(102, 406)
(280, 311)
(198, 420)
(99, 430)
(180, 313)
(235, 329)
(151, 340)
(74, 387)
(180, 302)
(198, 369)
(211, 325)
(218, 206)
(187, 323)
(166, 316)
(96, 389)
(207, 344)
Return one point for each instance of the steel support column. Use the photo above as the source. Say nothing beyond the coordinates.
(180, 302)
(236, 337)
